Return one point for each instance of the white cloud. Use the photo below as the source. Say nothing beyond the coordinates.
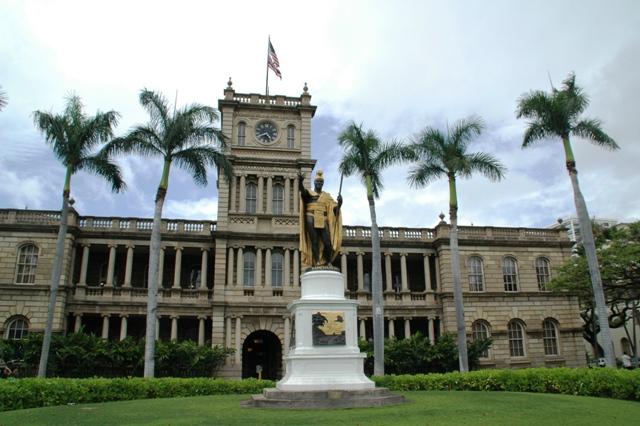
(201, 209)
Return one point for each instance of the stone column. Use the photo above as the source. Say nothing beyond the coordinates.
(363, 329)
(174, 328)
(286, 205)
(177, 270)
(286, 272)
(407, 328)
(204, 265)
(403, 272)
(78, 323)
(343, 269)
(240, 266)
(72, 268)
(438, 284)
(227, 334)
(392, 327)
(296, 268)
(105, 326)
(287, 334)
(84, 264)
(267, 268)
(427, 272)
(258, 270)
(432, 334)
(158, 327)
(128, 267)
(161, 267)
(201, 331)
(111, 265)
(269, 195)
(238, 340)
(232, 194)
(296, 196)
(123, 326)
(387, 272)
(230, 265)
(260, 193)
(360, 271)
(243, 194)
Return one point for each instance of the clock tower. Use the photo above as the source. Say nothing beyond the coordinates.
(257, 262)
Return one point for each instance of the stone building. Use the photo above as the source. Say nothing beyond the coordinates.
(228, 282)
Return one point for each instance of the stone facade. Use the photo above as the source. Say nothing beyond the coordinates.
(228, 282)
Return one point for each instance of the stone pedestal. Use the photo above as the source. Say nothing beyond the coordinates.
(327, 358)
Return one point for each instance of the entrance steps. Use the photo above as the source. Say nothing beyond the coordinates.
(274, 398)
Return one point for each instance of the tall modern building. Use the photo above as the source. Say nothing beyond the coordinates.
(228, 282)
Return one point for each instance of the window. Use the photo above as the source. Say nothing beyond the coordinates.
(542, 273)
(102, 275)
(516, 338)
(510, 274)
(626, 346)
(194, 277)
(278, 199)
(550, 337)
(251, 197)
(17, 328)
(276, 269)
(480, 330)
(291, 136)
(249, 271)
(241, 133)
(27, 264)
(476, 281)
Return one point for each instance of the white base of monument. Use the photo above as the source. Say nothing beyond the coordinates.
(326, 354)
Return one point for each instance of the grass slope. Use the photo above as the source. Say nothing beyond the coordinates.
(432, 408)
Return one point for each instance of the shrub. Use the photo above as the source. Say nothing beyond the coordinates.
(31, 393)
(417, 355)
(603, 382)
(86, 355)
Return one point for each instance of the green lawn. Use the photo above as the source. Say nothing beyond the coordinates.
(424, 408)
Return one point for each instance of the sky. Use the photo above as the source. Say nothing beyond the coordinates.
(394, 67)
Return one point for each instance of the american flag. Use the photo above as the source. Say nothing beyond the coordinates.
(272, 61)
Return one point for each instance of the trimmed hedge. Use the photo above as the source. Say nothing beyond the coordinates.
(601, 382)
(31, 393)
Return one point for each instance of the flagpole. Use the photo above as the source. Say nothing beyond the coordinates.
(266, 90)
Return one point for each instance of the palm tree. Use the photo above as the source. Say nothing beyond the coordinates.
(557, 114)
(440, 154)
(186, 138)
(73, 136)
(366, 156)
(3, 99)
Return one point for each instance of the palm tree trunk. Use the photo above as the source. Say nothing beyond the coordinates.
(55, 276)
(455, 271)
(592, 259)
(152, 284)
(376, 288)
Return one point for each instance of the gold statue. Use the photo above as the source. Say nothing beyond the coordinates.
(320, 224)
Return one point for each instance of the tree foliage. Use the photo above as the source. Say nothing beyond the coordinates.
(619, 256)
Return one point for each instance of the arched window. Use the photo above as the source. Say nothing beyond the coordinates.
(510, 274)
(249, 271)
(550, 337)
(27, 264)
(17, 328)
(516, 338)
(276, 269)
(241, 133)
(480, 330)
(278, 199)
(291, 140)
(542, 273)
(476, 278)
(251, 197)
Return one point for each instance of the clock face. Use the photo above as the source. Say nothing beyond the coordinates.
(266, 132)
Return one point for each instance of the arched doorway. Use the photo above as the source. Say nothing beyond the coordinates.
(262, 348)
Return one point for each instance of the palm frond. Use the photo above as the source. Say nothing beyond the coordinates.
(142, 140)
(102, 166)
(157, 106)
(424, 173)
(535, 132)
(194, 160)
(465, 130)
(591, 129)
(55, 132)
(534, 105)
(3, 99)
(96, 130)
(487, 165)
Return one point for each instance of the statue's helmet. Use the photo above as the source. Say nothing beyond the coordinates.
(319, 177)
